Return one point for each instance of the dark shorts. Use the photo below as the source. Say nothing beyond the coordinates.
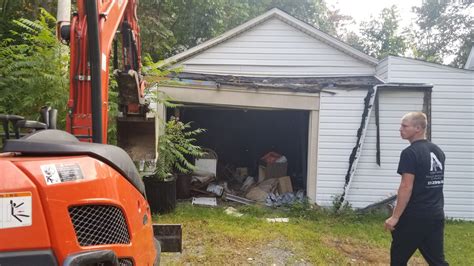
(412, 233)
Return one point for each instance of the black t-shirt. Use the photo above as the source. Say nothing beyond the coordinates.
(426, 161)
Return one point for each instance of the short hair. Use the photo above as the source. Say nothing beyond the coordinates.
(417, 118)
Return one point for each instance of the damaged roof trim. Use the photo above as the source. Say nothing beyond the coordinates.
(369, 103)
(296, 84)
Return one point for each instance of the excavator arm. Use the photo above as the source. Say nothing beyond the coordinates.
(91, 35)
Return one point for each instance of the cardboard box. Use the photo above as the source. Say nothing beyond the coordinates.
(273, 170)
(284, 185)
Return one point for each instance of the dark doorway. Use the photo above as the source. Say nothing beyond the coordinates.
(241, 136)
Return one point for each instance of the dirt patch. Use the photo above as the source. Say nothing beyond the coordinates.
(275, 253)
(360, 253)
(271, 253)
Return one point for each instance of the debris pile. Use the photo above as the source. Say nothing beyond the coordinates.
(271, 187)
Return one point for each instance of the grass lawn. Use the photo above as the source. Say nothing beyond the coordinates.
(212, 237)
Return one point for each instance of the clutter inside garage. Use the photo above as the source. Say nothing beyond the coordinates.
(252, 154)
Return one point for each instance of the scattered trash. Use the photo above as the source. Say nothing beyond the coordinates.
(273, 157)
(200, 180)
(208, 162)
(249, 181)
(261, 191)
(239, 183)
(272, 165)
(232, 211)
(226, 188)
(216, 189)
(278, 220)
(238, 199)
(202, 192)
(257, 194)
(204, 177)
(205, 201)
(273, 200)
(282, 159)
(242, 171)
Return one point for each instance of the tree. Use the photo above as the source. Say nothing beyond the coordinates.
(354, 40)
(33, 70)
(445, 29)
(313, 12)
(380, 38)
(15, 9)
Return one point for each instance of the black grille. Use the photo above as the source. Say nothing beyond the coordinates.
(99, 225)
(125, 262)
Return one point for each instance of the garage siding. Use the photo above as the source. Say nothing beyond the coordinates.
(381, 71)
(452, 126)
(340, 117)
(274, 48)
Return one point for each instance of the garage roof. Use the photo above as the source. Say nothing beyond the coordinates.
(286, 18)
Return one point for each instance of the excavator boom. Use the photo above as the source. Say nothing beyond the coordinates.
(91, 36)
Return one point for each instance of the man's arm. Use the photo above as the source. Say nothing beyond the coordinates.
(404, 194)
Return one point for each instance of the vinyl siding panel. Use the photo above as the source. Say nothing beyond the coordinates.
(274, 48)
(340, 117)
(381, 70)
(452, 114)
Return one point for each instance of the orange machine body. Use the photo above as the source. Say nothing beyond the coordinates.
(92, 183)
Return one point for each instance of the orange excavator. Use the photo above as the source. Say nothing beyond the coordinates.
(66, 198)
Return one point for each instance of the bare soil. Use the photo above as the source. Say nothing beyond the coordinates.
(362, 254)
(277, 253)
(273, 253)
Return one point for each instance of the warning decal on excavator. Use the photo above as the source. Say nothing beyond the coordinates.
(50, 173)
(69, 171)
(15, 209)
(57, 173)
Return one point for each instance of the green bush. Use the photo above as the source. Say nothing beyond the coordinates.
(33, 69)
(174, 146)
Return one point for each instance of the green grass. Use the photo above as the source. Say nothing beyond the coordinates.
(319, 237)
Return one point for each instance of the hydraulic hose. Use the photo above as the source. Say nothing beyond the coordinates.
(95, 64)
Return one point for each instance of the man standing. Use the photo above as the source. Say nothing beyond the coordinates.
(417, 221)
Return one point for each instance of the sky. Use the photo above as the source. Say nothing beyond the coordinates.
(362, 10)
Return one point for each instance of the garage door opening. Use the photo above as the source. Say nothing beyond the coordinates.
(240, 137)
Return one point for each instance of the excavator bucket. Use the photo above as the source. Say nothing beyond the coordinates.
(136, 135)
(130, 87)
(169, 236)
(135, 132)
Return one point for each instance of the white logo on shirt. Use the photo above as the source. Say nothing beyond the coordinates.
(435, 163)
